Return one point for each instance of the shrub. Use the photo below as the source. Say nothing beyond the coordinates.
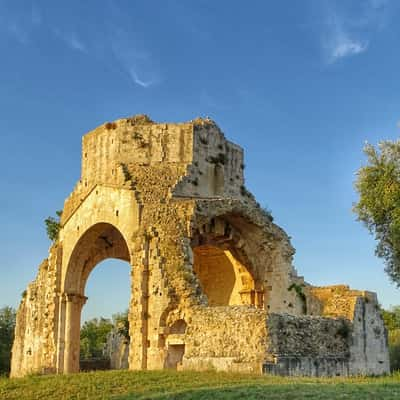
(53, 226)
(394, 349)
(7, 326)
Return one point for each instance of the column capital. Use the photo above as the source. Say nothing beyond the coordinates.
(74, 298)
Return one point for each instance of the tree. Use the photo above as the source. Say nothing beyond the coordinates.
(121, 324)
(378, 186)
(392, 321)
(94, 336)
(392, 318)
(53, 226)
(7, 326)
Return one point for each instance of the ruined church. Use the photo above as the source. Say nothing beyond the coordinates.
(212, 280)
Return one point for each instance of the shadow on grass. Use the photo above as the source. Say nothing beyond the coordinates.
(273, 392)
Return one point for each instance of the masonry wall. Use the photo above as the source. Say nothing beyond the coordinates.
(226, 338)
(34, 349)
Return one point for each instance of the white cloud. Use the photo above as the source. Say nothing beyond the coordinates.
(343, 46)
(132, 59)
(347, 31)
(116, 45)
(16, 31)
(75, 43)
(72, 40)
(138, 81)
(18, 25)
(348, 47)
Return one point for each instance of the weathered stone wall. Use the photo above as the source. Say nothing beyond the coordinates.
(160, 196)
(34, 348)
(226, 338)
(308, 345)
(307, 336)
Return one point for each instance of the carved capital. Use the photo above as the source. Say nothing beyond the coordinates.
(75, 298)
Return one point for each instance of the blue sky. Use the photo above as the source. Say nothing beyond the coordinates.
(301, 85)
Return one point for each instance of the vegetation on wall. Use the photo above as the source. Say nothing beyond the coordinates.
(267, 212)
(378, 207)
(301, 295)
(7, 326)
(53, 226)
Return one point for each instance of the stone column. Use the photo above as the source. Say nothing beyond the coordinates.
(247, 297)
(61, 332)
(259, 299)
(138, 313)
(74, 304)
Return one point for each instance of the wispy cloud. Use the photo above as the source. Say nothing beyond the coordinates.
(338, 42)
(138, 81)
(347, 47)
(349, 31)
(17, 32)
(117, 45)
(71, 39)
(13, 25)
(132, 59)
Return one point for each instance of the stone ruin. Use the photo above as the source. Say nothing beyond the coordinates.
(212, 281)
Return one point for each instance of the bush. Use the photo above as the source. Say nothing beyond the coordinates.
(394, 349)
(7, 326)
(94, 336)
(53, 226)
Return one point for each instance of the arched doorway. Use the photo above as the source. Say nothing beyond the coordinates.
(224, 279)
(100, 242)
(104, 334)
(227, 275)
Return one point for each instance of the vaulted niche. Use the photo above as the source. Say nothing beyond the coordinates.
(224, 279)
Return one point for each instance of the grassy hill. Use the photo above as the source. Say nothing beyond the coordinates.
(194, 385)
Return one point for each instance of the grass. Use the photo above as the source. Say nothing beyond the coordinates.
(123, 385)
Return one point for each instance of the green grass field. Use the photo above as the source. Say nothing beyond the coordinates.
(193, 385)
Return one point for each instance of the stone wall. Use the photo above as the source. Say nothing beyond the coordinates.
(369, 347)
(226, 338)
(34, 348)
(308, 336)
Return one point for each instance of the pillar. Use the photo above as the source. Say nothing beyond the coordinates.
(74, 304)
(61, 332)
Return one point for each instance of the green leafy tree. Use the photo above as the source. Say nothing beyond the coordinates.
(378, 207)
(392, 318)
(94, 336)
(392, 321)
(53, 226)
(121, 324)
(7, 326)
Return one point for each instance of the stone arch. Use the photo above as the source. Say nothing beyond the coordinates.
(227, 275)
(223, 278)
(178, 327)
(99, 242)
